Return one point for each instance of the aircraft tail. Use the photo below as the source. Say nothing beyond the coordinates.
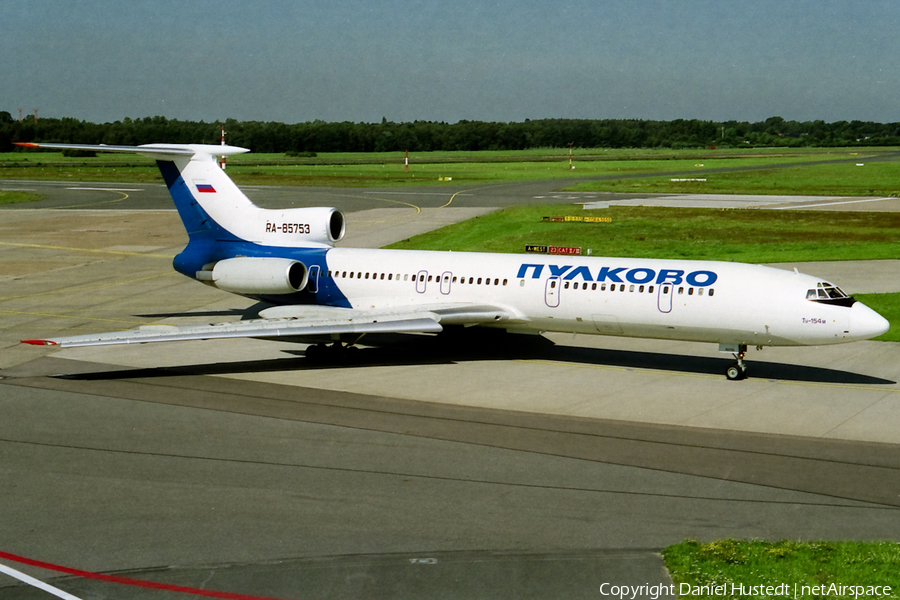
(213, 208)
(204, 196)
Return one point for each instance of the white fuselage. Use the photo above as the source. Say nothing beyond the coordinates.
(743, 304)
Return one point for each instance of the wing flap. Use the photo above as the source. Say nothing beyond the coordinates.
(300, 320)
(422, 322)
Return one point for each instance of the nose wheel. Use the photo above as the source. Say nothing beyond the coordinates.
(739, 369)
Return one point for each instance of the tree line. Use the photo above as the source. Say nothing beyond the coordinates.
(424, 136)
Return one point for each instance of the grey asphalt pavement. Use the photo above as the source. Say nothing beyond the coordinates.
(541, 468)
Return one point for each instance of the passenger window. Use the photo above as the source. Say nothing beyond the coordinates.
(472, 279)
(690, 291)
(665, 289)
(641, 289)
(367, 275)
(711, 292)
(390, 276)
(602, 287)
(680, 291)
(651, 289)
(622, 288)
(699, 291)
(504, 282)
(359, 275)
(553, 284)
(382, 276)
(631, 288)
(496, 282)
(566, 286)
(351, 274)
(479, 281)
(406, 277)
(593, 287)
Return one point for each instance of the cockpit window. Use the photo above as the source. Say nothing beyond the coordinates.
(828, 293)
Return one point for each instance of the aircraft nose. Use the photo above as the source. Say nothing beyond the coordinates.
(865, 323)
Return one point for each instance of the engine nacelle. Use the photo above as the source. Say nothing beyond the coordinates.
(299, 226)
(256, 276)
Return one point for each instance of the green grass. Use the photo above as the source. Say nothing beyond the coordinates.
(15, 197)
(478, 168)
(758, 563)
(841, 179)
(754, 236)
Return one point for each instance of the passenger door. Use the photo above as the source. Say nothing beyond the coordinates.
(551, 292)
(421, 281)
(312, 283)
(664, 300)
(445, 282)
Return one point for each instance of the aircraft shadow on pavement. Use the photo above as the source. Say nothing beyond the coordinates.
(459, 347)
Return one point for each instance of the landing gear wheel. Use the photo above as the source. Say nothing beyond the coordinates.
(738, 370)
(335, 354)
(316, 353)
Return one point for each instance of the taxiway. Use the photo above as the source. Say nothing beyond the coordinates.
(534, 469)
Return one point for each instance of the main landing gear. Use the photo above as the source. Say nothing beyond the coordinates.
(336, 353)
(739, 369)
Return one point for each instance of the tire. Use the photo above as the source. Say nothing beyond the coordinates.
(315, 354)
(734, 373)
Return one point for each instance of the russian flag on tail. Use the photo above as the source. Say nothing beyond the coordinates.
(205, 188)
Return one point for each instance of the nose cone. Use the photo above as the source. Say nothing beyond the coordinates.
(865, 323)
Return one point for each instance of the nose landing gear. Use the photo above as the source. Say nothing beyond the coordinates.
(739, 369)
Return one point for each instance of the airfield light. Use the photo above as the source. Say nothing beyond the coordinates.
(223, 158)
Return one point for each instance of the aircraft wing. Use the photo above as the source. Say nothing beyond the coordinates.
(296, 321)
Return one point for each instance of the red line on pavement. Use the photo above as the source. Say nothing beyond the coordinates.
(127, 581)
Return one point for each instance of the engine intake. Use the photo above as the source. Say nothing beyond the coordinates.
(251, 276)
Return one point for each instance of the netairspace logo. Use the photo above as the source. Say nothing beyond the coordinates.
(784, 590)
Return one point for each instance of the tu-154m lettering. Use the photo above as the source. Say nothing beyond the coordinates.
(287, 258)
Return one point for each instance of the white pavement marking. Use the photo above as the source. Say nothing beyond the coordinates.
(103, 189)
(37, 583)
(831, 203)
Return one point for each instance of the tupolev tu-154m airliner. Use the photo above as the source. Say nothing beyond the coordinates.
(287, 258)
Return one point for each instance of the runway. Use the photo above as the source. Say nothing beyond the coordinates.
(541, 468)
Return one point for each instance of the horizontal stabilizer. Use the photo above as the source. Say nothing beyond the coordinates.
(157, 151)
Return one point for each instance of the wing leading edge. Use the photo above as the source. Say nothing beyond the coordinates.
(421, 323)
(296, 321)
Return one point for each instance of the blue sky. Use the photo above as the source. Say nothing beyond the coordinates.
(298, 61)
